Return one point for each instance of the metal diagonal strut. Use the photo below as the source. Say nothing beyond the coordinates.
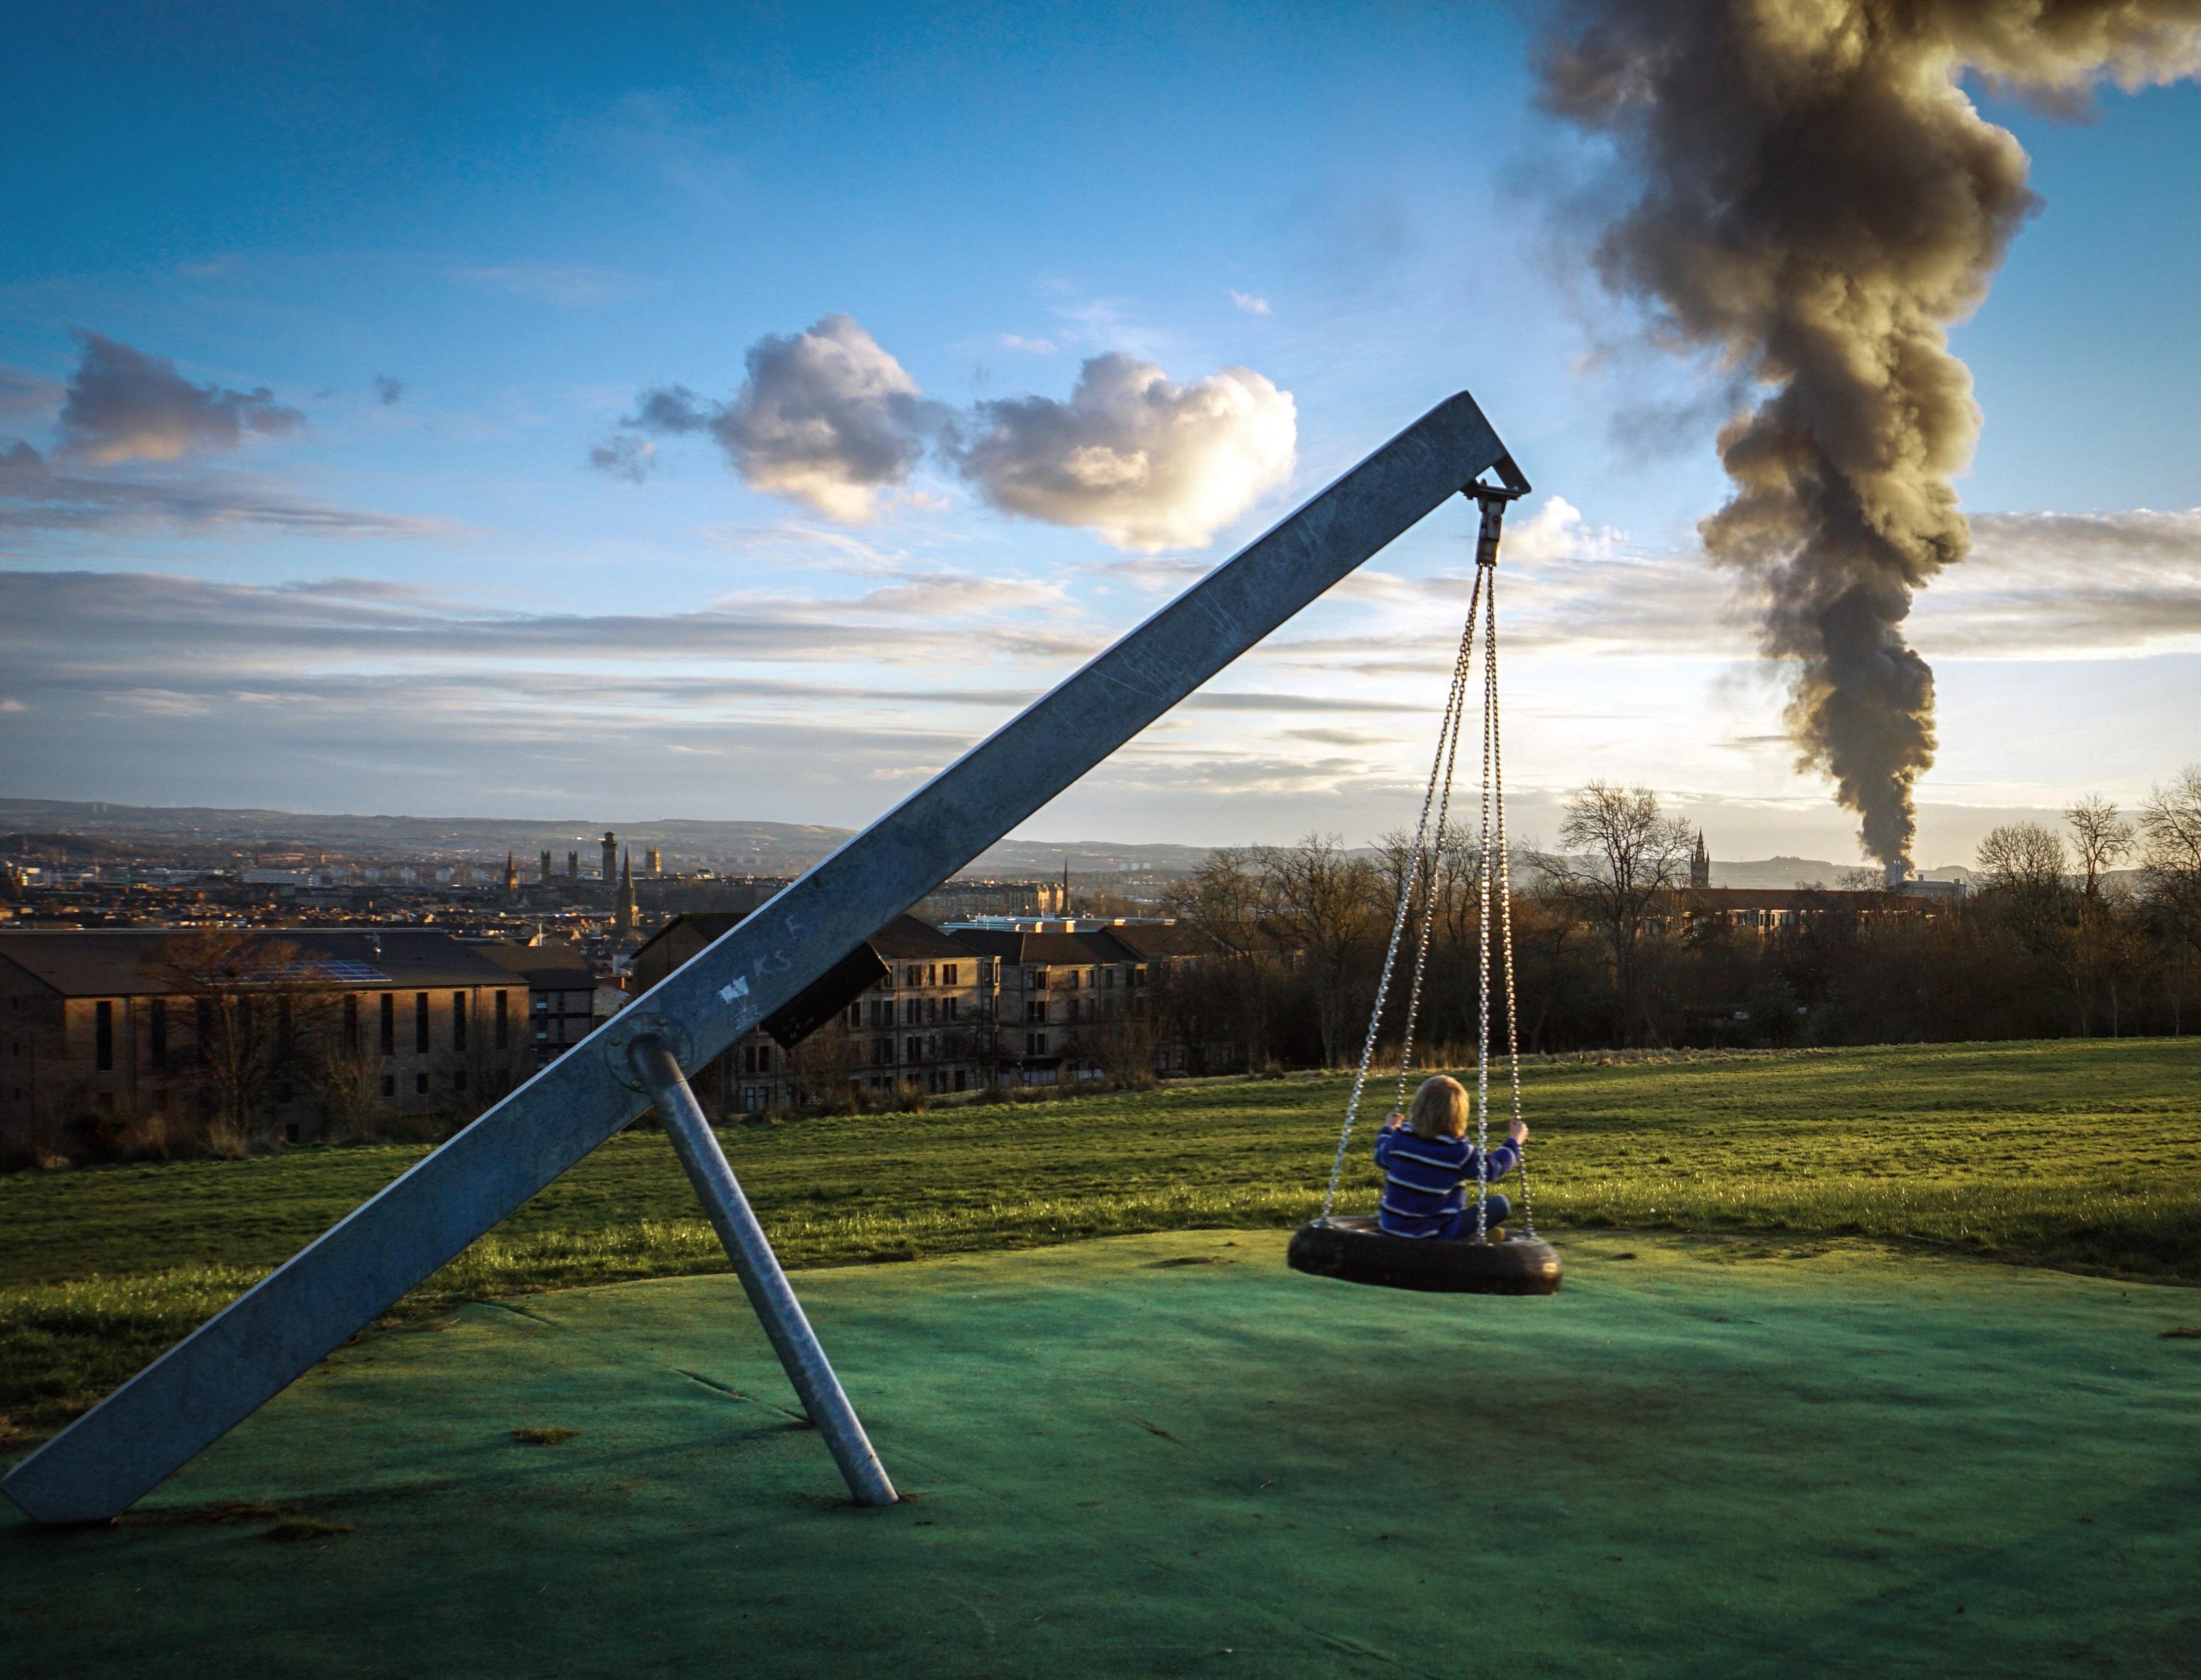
(276, 1332)
(759, 1269)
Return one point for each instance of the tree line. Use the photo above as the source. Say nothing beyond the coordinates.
(1610, 949)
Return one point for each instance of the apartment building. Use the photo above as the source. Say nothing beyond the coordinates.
(903, 1011)
(121, 1021)
(561, 993)
(1064, 1004)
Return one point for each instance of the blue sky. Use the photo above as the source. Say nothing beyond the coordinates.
(419, 596)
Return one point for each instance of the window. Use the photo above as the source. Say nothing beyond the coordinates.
(459, 1080)
(389, 1024)
(103, 1036)
(931, 1009)
(916, 975)
(503, 1031)
(420, 1084)
(1108, 979)
(1035, 1043)
(420, 1028)
(855, 1015)
(912, 1011)
(948, 974)
(458, 1020)
(351, 1021)
(913, 1051)
(883, 1052)
(156, 1032)
(1037, 1010)
(1071, 979)
(1034, 979)
(952, 1003)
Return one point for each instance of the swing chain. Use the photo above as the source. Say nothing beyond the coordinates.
(1455, 706)
(1493, 861)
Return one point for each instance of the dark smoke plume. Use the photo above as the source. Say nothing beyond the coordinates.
(1816, 199)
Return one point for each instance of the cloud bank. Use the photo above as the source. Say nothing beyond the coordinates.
(829, 419)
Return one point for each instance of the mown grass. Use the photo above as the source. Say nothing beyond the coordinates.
(2084, 1155)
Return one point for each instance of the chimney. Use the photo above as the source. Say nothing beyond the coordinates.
(611, 857)
(545, 876)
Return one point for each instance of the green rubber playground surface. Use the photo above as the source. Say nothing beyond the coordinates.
(1166, 1454)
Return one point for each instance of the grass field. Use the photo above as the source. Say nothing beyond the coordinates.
(2083, 1156)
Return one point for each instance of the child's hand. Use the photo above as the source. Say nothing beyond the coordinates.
(1519, 1132)
(1394, 1120)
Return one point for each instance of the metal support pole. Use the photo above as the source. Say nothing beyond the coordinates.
(758, 1269)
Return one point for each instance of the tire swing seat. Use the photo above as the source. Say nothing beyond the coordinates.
(1354, 1249)
(1349, 1247)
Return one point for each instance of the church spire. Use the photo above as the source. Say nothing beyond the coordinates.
(623, 918)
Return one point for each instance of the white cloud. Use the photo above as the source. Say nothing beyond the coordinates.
(1250, 303)
(826, 418)
(829, 419)
(1011, 341)
(1145, 463)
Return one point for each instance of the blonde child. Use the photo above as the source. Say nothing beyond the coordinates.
(1428, 1166)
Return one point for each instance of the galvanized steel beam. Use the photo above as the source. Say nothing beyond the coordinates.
(337, 1284)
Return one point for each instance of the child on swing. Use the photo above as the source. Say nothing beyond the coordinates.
(1428, 1166)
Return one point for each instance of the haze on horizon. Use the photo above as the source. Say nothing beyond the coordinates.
(546, 414)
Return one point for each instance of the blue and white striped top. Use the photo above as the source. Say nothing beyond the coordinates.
(1426, 1179)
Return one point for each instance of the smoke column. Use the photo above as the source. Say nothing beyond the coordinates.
(1815, 200)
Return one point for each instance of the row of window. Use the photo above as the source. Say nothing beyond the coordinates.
(156, 1025)
(1088, 979)
(926, 974)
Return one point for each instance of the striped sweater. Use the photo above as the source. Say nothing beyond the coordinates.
(1426, 1179)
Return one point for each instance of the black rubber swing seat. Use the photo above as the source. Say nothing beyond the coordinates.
(1352, 1249)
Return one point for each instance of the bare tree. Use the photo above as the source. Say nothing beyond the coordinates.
(1223, 900)
(2100, 837)
(262, 1010)
(823, 1065)
(1323, 905)
(2024, 866)
(1622, 862)
(2098, 951)
(2170, 834)
(2022, 858)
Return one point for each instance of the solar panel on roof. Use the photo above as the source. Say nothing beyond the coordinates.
(344, 968)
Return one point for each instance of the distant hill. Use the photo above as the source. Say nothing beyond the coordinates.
(762, 847)
(1794, 871)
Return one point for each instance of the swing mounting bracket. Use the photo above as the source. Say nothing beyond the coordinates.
(1492, 499)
